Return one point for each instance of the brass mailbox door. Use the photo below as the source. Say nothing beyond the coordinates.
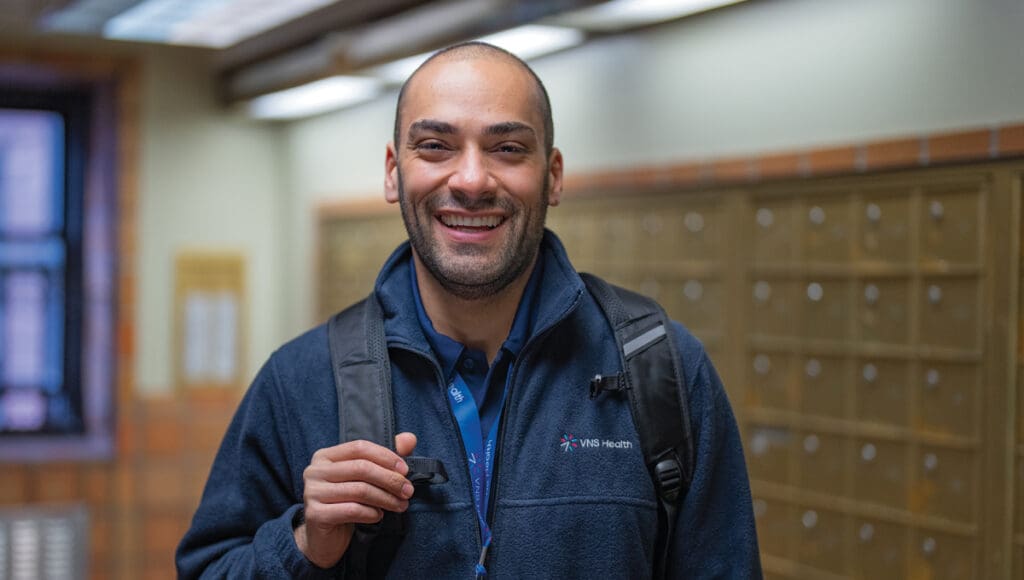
(882, 394)
(821, 540)
(946, 484)
(699, 231)
(824, 384)
(660, 238)
(950, 227)
(696, 302)
(770, 453)
(880, 475)
(774, 231)
(776, 527)
(950, 312)
(885, 228)
(773, 384)
(880, 550)
(776, 306)
(823, 463)
(827, 309)
(884, 312)
(948, 395)
(942, 556)
(827, 230)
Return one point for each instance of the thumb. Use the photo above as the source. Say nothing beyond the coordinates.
(405, 443)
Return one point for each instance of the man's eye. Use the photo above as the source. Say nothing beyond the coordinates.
(511, 148)
(431, 146)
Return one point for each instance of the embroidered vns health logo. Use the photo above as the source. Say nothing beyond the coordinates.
(569, 443)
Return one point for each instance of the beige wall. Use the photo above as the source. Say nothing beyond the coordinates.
(208, 180)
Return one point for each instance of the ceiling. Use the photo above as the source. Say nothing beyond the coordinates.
(265, 46)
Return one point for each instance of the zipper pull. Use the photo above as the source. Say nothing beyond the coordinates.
(481, 571)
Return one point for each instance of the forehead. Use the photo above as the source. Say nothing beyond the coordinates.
(472, 92)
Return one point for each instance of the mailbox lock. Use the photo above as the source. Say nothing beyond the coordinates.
(811, 444)
(816, 215)
(693, 290)
(866, 533)
(694, 222)
(870, 373)
(810, 519)
(762, 291)
(872, 294)
(868, 452)
(762, 364)
(932, 378)
(815, 292)
(928, 546)
(873, 213)
(931, 462)
(934, 294)
(936, 210)
(813, 368)
(765, 217)
(652, 224)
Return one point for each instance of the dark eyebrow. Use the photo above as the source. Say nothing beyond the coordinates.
(509, 127)
(432, 126)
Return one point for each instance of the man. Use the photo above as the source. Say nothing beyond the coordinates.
(493, 339)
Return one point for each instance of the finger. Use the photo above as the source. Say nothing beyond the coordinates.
(359, 470)
(405, 443)
(321, 514)
(358, 492)
(360, 449)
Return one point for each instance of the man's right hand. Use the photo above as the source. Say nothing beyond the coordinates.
(348, 484)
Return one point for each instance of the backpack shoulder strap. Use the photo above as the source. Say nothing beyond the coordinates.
(362, 377)
(362, 374)
(657, 394)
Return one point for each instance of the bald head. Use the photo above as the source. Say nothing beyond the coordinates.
(473, 50)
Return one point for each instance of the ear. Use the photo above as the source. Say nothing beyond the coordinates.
(555, 168)
(391, 174)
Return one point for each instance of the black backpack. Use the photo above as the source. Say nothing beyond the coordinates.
(651, 378)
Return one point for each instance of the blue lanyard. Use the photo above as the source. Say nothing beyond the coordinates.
(479, 453)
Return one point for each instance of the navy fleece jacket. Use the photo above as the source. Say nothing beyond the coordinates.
(560, 511)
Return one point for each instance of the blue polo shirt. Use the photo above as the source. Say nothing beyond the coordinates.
(485, 383)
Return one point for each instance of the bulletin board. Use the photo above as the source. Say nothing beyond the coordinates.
(209, 319)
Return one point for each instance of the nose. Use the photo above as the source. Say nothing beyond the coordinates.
(471, 175)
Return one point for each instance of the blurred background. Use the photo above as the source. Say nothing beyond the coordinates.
(828, 193)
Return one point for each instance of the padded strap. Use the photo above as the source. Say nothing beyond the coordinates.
(657, 395)
(362, 374)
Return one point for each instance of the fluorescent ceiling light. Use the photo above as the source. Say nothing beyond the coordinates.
(314, 98)
(212, 23)
(621, 14)
(526, 42)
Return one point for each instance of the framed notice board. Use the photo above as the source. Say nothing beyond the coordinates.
(209, 320)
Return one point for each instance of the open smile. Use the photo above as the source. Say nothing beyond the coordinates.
(471, 223)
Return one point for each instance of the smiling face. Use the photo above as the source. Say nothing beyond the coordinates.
(470, 172)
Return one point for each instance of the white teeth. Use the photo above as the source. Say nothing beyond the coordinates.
(472, 222)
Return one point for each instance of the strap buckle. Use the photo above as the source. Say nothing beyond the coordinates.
(669, 475)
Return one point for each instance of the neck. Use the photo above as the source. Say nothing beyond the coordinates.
(481, 324)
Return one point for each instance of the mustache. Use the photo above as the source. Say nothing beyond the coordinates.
(458, 200)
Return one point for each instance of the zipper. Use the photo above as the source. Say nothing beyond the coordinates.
(458, 433)
(514, 371)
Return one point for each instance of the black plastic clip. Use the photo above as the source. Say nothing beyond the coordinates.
(669, 476)
(601, 383)
(426, 471)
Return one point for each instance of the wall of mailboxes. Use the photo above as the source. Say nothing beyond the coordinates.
(867, 331)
